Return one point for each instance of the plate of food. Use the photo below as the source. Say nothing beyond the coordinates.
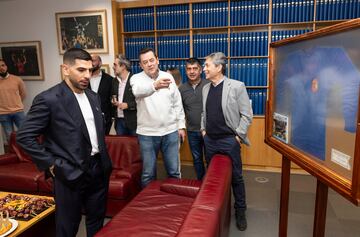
(23, 207)
(7, 226)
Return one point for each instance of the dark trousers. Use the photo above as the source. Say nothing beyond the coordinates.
(196, 143)
(90, 196)
(108, 124)
(230, 147)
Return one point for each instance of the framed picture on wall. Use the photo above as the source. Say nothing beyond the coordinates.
(84, 29)
(23, 59)
(105, 68)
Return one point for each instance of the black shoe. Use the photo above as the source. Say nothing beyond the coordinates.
(241, 222)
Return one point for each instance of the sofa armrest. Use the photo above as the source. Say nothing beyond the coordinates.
(121, 174)
(8, 158)
(182, 187)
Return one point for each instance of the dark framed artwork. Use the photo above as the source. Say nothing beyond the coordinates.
(84, 29)
(23, 59)
(312, 115)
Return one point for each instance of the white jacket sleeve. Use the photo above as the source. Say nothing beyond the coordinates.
(141, 87)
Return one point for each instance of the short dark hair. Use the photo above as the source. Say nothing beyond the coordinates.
(74, 53)
(193, 61)
(146, 50)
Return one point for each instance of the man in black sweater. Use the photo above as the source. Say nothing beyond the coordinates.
(225, 120)
(101, 83)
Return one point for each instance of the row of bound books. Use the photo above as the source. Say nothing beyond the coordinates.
(251, 71)
(249, 44)
(249, 12)
(134, 45)
(138, 19)
(241, 44)
(206, 44)
(212, 14)
(292, 11)
(284, 34)
(173, 46)
(172, 17)
(337, 9)
(258, 100)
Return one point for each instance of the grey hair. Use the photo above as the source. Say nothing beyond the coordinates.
(124, 61)
(218, 58)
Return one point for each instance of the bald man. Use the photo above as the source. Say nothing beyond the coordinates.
(101, 82)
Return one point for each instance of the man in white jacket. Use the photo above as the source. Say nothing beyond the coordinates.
(161, 118)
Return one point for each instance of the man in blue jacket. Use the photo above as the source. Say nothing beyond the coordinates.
(73, 151)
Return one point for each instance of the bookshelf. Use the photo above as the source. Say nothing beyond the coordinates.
(242, 30)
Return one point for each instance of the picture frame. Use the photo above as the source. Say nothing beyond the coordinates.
(82, 29)
(314, 91)
(24, 59)
(105, 68)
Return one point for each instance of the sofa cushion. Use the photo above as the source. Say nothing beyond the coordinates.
(153, 213)
(22, 176)
(119, 188)
(183, 187)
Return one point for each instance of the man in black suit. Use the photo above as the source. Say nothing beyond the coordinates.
(73, 151)
(123, 98)
(100, 83)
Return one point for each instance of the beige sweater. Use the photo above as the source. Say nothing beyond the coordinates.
(12, 93)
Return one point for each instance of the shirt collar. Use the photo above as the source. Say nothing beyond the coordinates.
(217, 83)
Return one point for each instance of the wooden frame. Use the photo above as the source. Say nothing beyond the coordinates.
(84, 29)
(321, 67)
(23, 59)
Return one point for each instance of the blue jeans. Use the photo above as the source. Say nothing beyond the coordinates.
(230, 147)
(196, 143)
(122, 129)
(150, 146)
(8, 120)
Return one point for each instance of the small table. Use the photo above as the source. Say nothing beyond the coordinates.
(45, 218)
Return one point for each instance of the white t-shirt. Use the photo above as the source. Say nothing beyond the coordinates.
(89, 120)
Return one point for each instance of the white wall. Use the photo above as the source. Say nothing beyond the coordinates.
(30, 20)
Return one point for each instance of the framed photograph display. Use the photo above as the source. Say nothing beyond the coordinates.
(312, 113)
(85, 29)
(23, 59)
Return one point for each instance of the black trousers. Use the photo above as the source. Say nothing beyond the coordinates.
(230, 147)
(91, 196)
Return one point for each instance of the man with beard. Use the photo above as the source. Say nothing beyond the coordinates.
(12, 94)
(73, 151)
(101, 83)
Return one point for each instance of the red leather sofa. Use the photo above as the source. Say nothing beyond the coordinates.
(19, 174)
(178, 207)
